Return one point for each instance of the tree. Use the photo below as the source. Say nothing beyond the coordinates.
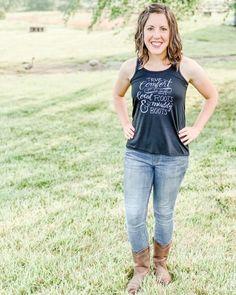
(234, 13)
(230, 5)
(6, 5)
(116, 8)
(42, 5)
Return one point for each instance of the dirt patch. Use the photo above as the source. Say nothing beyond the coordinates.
(93, 65)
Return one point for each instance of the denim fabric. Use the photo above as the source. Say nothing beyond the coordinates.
(142, 172)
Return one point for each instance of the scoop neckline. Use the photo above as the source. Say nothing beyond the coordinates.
(157, 71)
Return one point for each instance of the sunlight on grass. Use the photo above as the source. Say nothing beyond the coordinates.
(62, 215)
(62, 165)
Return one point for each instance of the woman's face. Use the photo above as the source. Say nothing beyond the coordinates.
(157, 34)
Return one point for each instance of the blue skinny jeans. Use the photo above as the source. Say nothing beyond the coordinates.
(142, 172)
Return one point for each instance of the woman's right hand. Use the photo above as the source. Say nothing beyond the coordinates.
(129, 131)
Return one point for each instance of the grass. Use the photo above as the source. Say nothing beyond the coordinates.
(211, 41)
(62, 216)
(61, 45)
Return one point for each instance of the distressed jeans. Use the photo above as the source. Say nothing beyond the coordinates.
(142, 172)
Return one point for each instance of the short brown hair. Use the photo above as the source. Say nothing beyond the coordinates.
(174, 49)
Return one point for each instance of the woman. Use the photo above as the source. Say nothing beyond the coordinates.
(157, 150)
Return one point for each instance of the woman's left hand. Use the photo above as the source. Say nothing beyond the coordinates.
(188, 134)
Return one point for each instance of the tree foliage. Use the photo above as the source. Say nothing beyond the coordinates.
(6, 5)
(124, 8)
(41, 5)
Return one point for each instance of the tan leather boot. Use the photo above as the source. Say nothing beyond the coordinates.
(141, 269)
(160, 255)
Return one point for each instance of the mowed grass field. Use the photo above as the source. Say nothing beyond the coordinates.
(62, 223)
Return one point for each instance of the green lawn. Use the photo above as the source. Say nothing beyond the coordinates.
(62, 215)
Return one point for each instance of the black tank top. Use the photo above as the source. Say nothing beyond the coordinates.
(158, 111)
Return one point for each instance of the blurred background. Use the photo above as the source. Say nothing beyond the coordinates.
(62, 224)
(78, 31)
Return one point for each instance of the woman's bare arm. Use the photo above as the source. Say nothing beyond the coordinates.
(198, 78)
(121, 86)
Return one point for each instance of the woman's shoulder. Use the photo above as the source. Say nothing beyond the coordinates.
(128, 67)
(188, 66)
(188, 62)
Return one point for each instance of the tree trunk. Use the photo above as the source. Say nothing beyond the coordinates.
(235, 13)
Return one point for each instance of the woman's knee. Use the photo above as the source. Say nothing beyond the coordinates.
(163, 216)
(135, 217)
